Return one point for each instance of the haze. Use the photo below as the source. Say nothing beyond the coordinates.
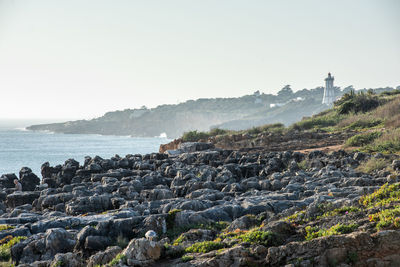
(80, 59)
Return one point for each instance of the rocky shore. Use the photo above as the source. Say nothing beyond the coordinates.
(204, 206)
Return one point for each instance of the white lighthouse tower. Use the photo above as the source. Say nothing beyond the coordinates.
(329, 93)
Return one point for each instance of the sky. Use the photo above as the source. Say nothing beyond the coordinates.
(78, 59)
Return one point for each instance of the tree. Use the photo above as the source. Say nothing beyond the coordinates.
(285, 92)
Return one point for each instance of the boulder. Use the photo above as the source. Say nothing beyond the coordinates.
(58, 240)
(7, 180)
(21, 198)
(67, 260)
(194, 146)
(28, 179)
(142, 251)
(103, 257)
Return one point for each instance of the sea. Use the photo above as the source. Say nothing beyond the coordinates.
(21, 148)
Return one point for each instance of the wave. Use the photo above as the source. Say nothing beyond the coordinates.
(22, 129)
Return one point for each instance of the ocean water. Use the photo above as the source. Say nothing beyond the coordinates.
(20, 148)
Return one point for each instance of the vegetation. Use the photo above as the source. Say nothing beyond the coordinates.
(363, 139)
(204, 247)
(389, 142)
(317, 122)
(119, 258)
(357, 102)
(265, 238)
(387, 218)
(122, 242)
(338, 229)
(6, 244)
(6, 227)
(385, 195)
(194, 136)
(373, 164)
(176, 231)
(339, 211)
(298, 217)
(186, 258)
(170, 220)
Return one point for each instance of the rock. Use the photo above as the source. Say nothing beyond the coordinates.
(28, 179)
(194, 146)
(96, 243)
(67, 260)
(21, 198)
(243, 223)
(58, 240)
(7, 180)
(396, 164)
(142, 251)
(103, 257)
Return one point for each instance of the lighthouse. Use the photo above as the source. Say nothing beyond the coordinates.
(329, 93)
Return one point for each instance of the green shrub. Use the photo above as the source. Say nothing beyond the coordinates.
(217, 131)
(194, 136)
(204, 247)
(356, 102)
(265, 238)
(363, 139)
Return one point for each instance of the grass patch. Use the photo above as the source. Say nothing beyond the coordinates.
(298, 217)
(389, 142)
(373, 164)
(338, 229)
(176, 232)
(303, 165)
(6, 227)
(204, 247)
(119, 258)
(362, 139)
(318, 122)
(339, 211)
(186, 258)
(8, 242)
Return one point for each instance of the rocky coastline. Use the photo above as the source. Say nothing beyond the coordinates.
(204, 206)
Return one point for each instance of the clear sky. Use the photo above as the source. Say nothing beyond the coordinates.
(81, 58)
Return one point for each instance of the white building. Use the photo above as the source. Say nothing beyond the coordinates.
(329, 93)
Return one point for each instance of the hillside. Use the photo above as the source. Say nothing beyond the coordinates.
(239, 113)
(366, 121)
(201, 114)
